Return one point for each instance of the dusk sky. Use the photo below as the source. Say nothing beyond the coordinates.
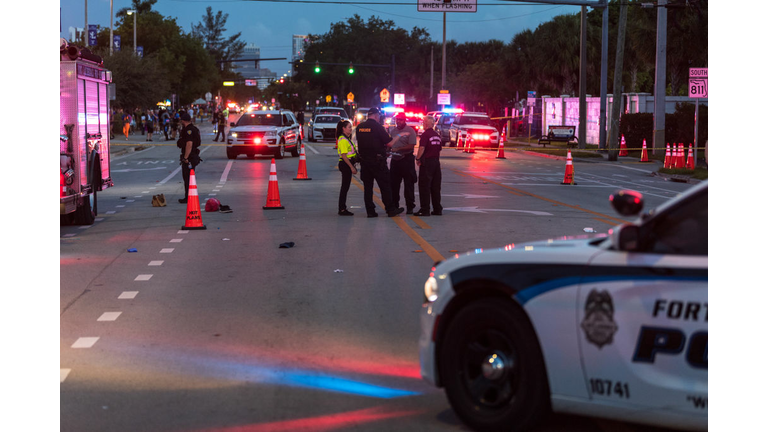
(270, 25)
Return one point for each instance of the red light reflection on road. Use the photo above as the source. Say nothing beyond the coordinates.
(322, 423)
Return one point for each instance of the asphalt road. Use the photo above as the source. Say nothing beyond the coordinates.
(222, 330)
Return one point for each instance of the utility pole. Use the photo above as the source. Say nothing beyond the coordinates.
(111, 37)
(583, 81)
(660, 93)
(613, 154)
(432, 72)
(604, 79)
(442, 83)
(85, 29)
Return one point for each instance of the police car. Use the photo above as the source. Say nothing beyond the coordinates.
(324, 127)
(611, 326)
(475, 125)
(267, 132)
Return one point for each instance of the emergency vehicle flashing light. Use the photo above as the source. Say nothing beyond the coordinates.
(453, 110)
(479, 136)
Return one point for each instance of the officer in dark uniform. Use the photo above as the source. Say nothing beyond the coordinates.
(372, 143)
(430, 175)
(189, 143)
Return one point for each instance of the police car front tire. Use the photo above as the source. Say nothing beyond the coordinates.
(492, 368)
(280, 152)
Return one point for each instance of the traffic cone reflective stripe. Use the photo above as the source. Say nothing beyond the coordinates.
(691, 163)
(500, 154)
(470, 143)
(680, 156)
(568, 179)
(273, 193)
(644, 155)
(194, 220)
(668, 158)
(302, 173)
(623, 147)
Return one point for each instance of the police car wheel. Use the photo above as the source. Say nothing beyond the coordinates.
(296, 148)
(492, 368)
(280, 152)
(231, 154)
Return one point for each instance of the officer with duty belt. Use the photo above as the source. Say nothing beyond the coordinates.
(402, 168)
(189, 143)
(372, 143)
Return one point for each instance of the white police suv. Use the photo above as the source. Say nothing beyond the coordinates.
(264, 133)
(612, 326)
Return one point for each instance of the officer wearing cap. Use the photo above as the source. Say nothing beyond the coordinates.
(372, 144)
(189, 143)
(402, 168)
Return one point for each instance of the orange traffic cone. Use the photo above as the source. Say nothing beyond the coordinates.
(470, 143)
(668, 158)
(644, 154)
(681, 156)
(500, 154)
(623, 147)
(194, 219)
(691, 163)
(302, 174)
(568, 179)
(273, 193)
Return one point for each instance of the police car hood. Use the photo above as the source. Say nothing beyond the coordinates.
(325, 125)
(563, 250)
(253, 128)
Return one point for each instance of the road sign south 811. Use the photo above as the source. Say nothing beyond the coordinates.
(452, 6)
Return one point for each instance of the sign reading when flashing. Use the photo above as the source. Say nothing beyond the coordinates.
(450, 6)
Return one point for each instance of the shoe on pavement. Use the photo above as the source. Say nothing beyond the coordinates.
(409, 211)
(395, 212)
(374, 214)
(437, 213)
(421, 213)
(182, 200)
(346, 212)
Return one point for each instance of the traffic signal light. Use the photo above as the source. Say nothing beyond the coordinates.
(351, 68)
(317, 67)
(282, 80)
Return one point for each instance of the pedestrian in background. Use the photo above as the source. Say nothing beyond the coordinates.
(372, 143)
(126, 124)
(347, 159)
(191, 113)
(430, 176)
(175, 124)
(222, 126)
(402, 168)
(189, 143)
(150, 124)
(165, 122)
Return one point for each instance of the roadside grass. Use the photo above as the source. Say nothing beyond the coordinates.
(698, 173)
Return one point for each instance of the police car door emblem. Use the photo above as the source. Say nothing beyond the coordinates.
(598, 323)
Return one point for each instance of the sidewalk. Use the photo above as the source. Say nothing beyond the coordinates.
(120, 146)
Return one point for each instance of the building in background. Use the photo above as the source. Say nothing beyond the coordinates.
(76, 35)
(299, 44)
(248, 70)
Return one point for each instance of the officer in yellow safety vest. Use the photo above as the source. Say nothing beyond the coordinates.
(347, 161)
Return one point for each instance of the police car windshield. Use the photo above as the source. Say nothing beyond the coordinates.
(328, 119)
(259, 120)
(474, 120)
(338, 112)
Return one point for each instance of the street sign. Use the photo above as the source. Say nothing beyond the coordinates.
(250, 82)
(384, 95)
(328, 98)
(350, 97)
(399, 98)
(450, 6)
(697, 83)
(443, 98)
(140, 51)
(116, 42)
(208, 96)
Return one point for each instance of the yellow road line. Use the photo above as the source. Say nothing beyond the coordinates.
(420, 222)
(419, 240)
(575, 207)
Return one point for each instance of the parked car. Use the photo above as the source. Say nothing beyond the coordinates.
(478, 126)
(264, 133)
(443, 126)
(324, 127)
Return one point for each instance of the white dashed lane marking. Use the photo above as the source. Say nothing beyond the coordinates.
(63, 374)
(128, 295)
(176, 240)
(85, 342)
(109, 316)
(166, 250)
(155, 263)
(143, 277)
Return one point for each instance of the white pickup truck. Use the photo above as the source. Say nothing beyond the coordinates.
(478, 126)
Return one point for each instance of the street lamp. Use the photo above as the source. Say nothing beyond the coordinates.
(134, 13)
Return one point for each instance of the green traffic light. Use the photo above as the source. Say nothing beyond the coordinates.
(317, 69)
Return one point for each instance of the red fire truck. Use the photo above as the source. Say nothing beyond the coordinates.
(84, 133)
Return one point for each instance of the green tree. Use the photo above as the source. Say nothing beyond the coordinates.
(211, 32)
(131, 76)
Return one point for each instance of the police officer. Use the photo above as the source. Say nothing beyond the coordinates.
(430, 175)
(402, 168)
(372, 143)
(189, 143)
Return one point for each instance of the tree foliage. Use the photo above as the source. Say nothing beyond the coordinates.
(211, 32)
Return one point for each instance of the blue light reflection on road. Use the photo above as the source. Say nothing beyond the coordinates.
(342, 385)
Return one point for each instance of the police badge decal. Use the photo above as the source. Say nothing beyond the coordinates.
(598, 323)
